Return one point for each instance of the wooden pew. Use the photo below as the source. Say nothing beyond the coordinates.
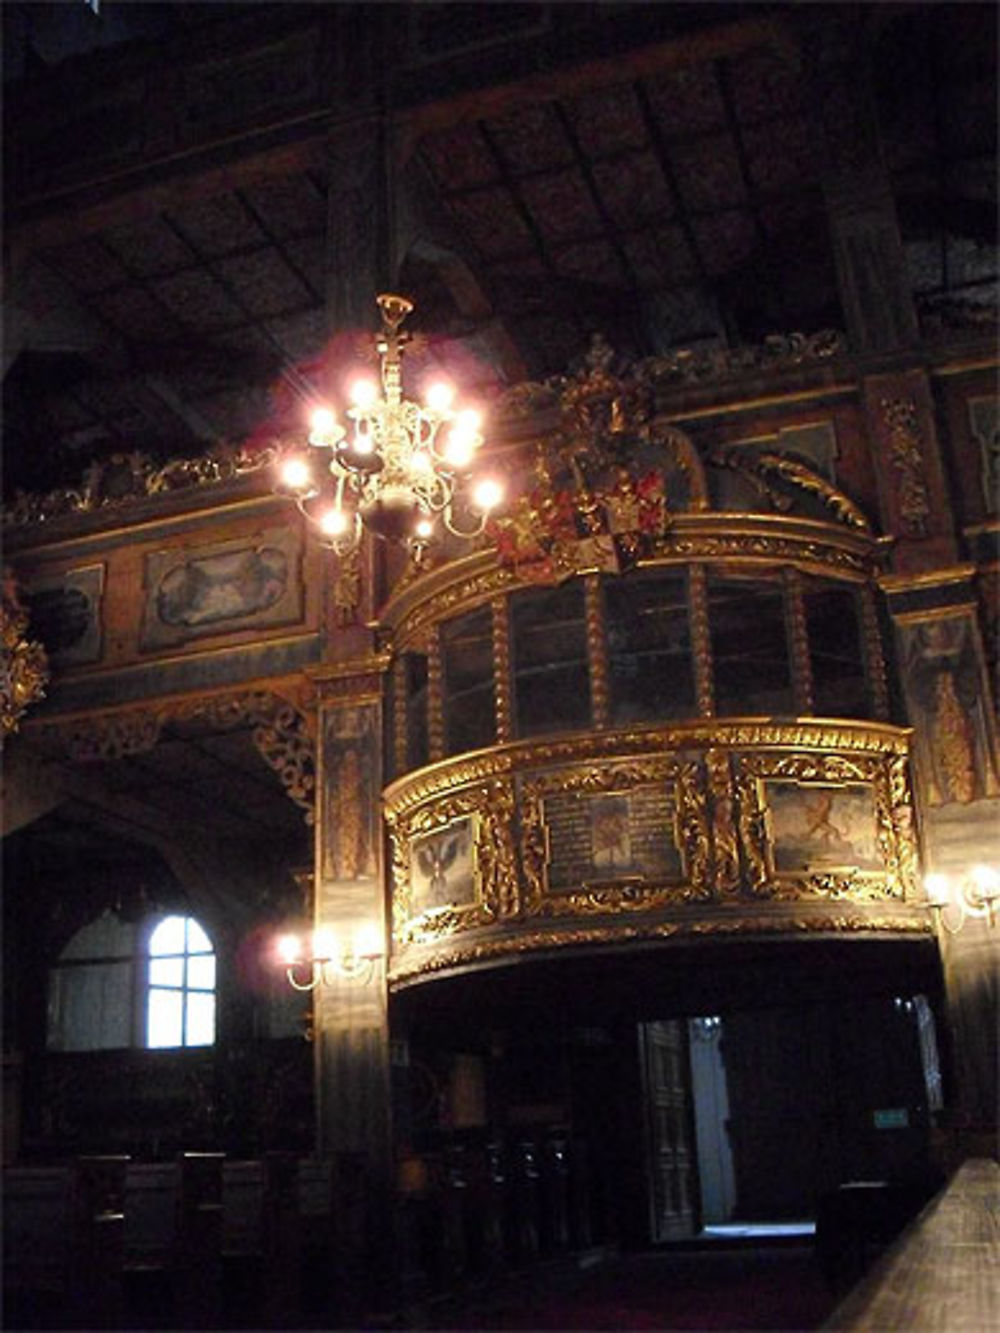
(173, 1240)
(260, 1237)
(38, 1207)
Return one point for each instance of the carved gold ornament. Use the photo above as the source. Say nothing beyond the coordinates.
(695, 847)
(25, 664)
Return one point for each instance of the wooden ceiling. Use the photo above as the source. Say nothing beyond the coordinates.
(665, 189)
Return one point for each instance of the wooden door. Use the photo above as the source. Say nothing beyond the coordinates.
(670, 1155)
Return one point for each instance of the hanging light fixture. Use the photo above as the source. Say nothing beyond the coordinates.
(398, 468)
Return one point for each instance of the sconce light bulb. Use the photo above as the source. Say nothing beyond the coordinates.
(289, 948)
(937, 889)
(368, 941)
(987, 882)
(324, 945)
(487, 494)
(439, 396)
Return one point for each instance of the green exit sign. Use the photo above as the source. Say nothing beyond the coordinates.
(892, 1117)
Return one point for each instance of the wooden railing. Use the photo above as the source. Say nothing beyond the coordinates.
(943, 1273)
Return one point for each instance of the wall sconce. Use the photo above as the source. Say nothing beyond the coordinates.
(323, 959)
(974, 893)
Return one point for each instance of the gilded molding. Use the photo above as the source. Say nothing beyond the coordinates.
(491, 806)
(501, 671)
(25, 662)
(622, 743)
(804, 544)
(871, 636)
(763, 466)
(124, 479)
(885, 775)
(798, 642)
(414, 964)
(399, 720)
(721, 801)
(701, 640)
(903, 436)
(597, 651)
(280, 731)
(435, 697)
(591, 899)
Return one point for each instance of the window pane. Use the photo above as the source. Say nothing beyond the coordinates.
(107, 937)
(168, 937)
(835, 652)
(551, 676)
(164, 1018)
(467, 661)
(751, 669)
(166, 972)
(649, 647)
(197, 940)
(200, 1019)
(90, 1008)
(201, 972)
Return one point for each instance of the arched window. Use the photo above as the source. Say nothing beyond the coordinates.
(180, 1008)
(118, 985)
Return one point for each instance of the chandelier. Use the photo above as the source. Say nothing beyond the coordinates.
(398, 468)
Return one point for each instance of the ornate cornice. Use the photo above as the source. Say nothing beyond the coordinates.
(25, 664)
(623, 743)
(281, 731)
(124, 479)
(423, 963)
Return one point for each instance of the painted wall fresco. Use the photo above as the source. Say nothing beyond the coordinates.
(213, 589)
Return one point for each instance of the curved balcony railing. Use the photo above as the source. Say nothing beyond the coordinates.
(709, 827)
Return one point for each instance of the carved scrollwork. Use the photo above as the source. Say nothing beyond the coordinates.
(627, 892)
(114, 736)
(124, 479)
(463, 953)
(491, 807)
(280, 733)
(885, 778)
(25, 664)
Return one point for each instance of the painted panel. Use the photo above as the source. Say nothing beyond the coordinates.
(222, 588)
(817, 827)
(66, 614)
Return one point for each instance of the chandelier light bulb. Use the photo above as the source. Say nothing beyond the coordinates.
(363, 393)
(467, 423)
(421, 463)
(458, 450)
(439, 396)
(333, 522)
(487, 494)
(424, 529)
(323, 427)
(295, 473)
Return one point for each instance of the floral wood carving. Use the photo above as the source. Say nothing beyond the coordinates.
(906, 457)
(25, 664)
(124, 479)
